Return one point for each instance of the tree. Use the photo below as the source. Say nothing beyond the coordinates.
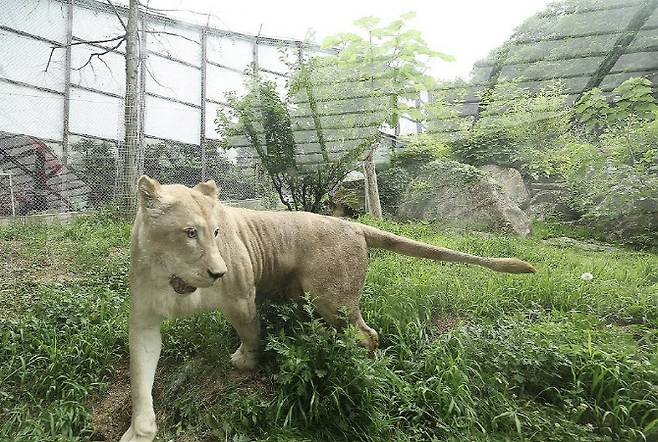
(128, 154)
(392, 61)
(264, 119)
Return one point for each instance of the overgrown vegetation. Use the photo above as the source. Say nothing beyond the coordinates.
(264, 119)
(604, 152)
(466, 354)
(308, 140)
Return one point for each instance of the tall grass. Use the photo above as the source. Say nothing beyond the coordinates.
(466, 354)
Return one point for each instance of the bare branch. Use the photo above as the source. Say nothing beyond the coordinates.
(109, 2)
(208, 15)
(82, 42)
(100, 54)
(148, 70)
(174, 34)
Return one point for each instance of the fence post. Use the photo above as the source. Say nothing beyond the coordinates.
(128, 153)
(255, 55)
(202, 132)
(142, 98)
(419, 124)
(67, 81)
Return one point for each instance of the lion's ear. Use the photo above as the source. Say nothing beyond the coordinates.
(209, 188)
(148, 190)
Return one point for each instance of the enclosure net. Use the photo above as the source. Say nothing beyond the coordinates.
(215, 104)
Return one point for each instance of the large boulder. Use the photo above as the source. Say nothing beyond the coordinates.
(511, 182)
(629, 213)
(461, 195)
(550, 204)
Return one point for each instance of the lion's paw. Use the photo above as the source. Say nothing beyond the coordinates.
(132, 436)
(142, 430)
(244, 360)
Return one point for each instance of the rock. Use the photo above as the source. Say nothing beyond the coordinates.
(547, 204)
(348, 199)
(510, 181)
(461, 195)
(627, 215)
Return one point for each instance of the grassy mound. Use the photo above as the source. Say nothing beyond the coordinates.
(466, 354)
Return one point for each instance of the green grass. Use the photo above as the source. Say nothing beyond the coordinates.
(466, 354)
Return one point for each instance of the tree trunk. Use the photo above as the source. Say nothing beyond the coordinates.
(371, 190)
(128, 155)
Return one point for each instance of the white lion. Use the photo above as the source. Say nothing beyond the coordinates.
(190, 254)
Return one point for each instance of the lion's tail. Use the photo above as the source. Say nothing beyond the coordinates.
(380, 239)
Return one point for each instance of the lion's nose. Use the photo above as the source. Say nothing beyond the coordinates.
(215, 275)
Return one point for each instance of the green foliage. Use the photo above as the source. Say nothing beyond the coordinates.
(420, 151)
(61, 334)
(614, 182)
(181, 163)
(467, 354)
(98, 171)
(406, 164)
(392, 182)
(488, 146)
(517, 128)
(391, 57)
(608, 162)
(264, 119)
(592, 110)
(631, 99)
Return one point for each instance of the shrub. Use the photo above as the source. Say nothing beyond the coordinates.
(392, 182)
(421, 150)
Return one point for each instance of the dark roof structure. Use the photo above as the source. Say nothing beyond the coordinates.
(582, 44)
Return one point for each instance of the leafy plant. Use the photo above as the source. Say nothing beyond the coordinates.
(264, 119)
(181, 163)
(631, 99)
(392, 59)
(98, 169)
(592, 110)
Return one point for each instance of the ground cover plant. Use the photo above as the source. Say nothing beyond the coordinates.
(466, 354)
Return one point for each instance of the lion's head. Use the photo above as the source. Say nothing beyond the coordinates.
(179, 228)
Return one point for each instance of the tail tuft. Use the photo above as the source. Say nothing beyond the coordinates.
(510, 265)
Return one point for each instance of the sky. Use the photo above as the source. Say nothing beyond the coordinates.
(465, 29)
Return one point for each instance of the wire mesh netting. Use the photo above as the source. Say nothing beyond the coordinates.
(62, 83)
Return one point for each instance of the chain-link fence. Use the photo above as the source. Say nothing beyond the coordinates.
(62, 87)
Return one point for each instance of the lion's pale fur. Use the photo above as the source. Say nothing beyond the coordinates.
(260, 252)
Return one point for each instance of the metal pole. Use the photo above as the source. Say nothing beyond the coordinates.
(11, 192)
(255, 55)
(142, 101)
(419, 125)
(202, 138)
(67, 81)
(11, 195)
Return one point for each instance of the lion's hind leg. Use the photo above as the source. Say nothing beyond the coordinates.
(335, 291)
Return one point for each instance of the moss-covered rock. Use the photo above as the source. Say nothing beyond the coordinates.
(459, 194)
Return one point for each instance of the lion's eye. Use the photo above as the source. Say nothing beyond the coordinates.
(216, 232)
(191, 232)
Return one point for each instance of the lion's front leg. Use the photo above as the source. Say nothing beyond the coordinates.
(241, 312)
(145, 343)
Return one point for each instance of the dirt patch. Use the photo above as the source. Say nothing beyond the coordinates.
(38, 264)
(444, 322)
(110, 411)
(119, 253)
